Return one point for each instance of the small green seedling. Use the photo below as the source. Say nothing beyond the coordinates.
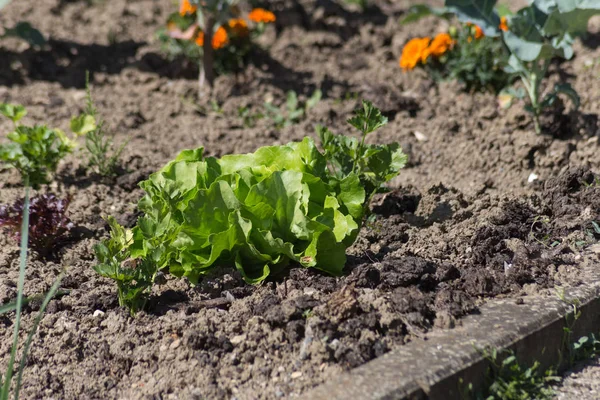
(23, 30)
(507, 379)
(103, 155)
(249, 118)
(34, 151)
(294, 110)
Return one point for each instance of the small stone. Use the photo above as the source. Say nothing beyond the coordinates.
(420, 136)
(532, 177)
(98, 313)
(175, 344)
(296, 375)
(163, 348)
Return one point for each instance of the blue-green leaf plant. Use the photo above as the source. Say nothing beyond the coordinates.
(35, 152)
(534, 35)
(23, 30)
(259, 212)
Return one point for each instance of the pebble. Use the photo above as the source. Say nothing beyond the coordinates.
(420, 136)
(98, 313)
(296, 375)
(175, 344)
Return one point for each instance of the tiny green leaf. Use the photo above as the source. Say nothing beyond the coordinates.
(83, 124)
(13, 111)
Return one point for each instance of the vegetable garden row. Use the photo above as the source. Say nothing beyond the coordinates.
(271, 193)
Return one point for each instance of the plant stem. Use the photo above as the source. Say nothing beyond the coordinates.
(21, 283)
(207, 72)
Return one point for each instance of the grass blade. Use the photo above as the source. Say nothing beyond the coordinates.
(36, 322)
(21, 283)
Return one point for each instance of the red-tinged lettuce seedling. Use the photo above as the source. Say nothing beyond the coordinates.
(48, 223)
(260, 212)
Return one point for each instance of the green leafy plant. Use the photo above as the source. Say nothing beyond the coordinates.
(258, 212)
(212, 33)
(23, 30)
(373, 164)
(294, 110)
(103, 155)
(507, 379)
(133, 278)
(463, 54)
(248, 117)
(35, 153)
(533, 36)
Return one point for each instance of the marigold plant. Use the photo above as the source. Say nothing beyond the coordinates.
(413, 53)
(231, 36)
(530, 39)
(464, 53)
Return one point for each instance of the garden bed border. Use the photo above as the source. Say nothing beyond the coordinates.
(441, 366)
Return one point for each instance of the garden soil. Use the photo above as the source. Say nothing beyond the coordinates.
(485, 207)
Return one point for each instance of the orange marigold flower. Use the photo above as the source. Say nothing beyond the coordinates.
(412, 52)
(439, 45)
(219, 38)
(186, 8)
(503, 24)
(218, 41)
(478, 32)
(239, 27)
(200, 39)
(261, 15)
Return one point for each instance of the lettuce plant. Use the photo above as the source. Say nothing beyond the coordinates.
(48, 222)
(533, 37)
(259, 212)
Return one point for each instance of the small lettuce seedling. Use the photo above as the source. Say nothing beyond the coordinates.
(48, 222)
(533, 37)
(259, 212)
(34, 151)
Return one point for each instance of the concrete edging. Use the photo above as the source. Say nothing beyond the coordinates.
(434, 368)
